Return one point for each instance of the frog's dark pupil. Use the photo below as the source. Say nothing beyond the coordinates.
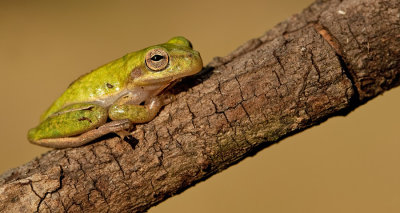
(157, 57)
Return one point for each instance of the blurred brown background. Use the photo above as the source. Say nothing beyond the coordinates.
(347, 164)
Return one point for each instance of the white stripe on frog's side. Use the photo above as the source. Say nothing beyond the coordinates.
(137, 95)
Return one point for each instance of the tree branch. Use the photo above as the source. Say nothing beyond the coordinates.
(326, 61)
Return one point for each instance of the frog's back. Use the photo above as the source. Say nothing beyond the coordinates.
(104, 81)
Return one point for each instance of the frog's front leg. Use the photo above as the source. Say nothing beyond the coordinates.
(123, 109)
(75, 125)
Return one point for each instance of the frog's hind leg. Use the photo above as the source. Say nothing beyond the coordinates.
(119, 127)
(72, 126)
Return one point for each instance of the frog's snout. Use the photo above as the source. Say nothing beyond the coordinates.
(197, 61)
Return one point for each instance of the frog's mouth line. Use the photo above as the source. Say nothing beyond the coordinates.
(166, 80)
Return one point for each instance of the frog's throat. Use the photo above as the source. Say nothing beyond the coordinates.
(170, 85)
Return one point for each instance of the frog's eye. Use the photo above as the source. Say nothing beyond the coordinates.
(157, 59)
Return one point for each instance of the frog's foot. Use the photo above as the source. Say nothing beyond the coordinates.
(123, 134)
(120, 127)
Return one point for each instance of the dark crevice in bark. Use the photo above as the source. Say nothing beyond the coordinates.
(50, 192)
(355, 98)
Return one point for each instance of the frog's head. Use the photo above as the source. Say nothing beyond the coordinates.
(167, 62)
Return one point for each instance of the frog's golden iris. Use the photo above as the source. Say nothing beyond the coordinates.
(157, 59)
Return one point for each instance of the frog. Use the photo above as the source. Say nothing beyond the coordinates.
(116, 96)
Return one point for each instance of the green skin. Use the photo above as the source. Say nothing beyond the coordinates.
(116, 91)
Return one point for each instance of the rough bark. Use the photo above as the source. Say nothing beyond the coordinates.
(326, 61)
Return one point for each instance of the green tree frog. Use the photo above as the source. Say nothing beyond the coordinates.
(113, 97)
